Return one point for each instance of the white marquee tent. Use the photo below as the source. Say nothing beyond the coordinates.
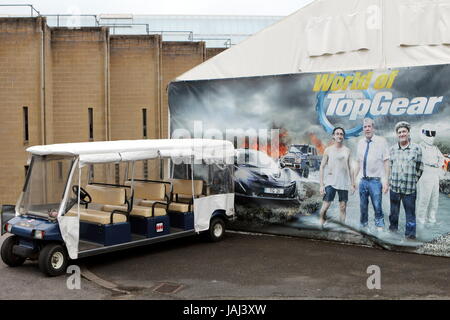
(330, 35)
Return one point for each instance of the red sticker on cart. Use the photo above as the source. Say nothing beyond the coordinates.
(159, 227)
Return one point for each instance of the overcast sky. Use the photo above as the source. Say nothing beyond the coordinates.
(189, 7)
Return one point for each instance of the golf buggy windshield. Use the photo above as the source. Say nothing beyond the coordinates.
(45, 184)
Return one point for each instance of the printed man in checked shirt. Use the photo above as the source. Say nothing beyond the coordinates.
(406, 169)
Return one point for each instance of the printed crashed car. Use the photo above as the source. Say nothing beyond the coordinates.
(259, 177)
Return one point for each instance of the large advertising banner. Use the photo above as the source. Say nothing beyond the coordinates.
(355, 156)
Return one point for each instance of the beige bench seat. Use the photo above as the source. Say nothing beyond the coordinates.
(184, 191)
(96, 216)
(102, 195)
(179, 207)
(137, 210)
(187, 198)
(149, 203)
(106, 194)
(155, 191)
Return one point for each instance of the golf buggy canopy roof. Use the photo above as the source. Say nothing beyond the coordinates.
(216, 151)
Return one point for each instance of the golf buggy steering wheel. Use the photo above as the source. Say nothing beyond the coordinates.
(83, 194)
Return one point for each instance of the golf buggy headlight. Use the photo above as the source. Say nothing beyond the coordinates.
(8, 227)
(38, 234)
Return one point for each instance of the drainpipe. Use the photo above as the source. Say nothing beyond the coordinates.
(42, 87)
(107, 87)
(160, 80)
(162, 162)
(41, 27)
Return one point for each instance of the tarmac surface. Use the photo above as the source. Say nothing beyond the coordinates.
(242, 266)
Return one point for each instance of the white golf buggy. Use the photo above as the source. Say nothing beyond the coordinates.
(84, 199)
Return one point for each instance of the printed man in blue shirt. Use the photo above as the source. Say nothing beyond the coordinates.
(373, 161)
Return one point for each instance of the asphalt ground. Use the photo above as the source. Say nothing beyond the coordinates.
(242, 266)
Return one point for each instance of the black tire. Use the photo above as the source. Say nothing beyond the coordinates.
(50, 262)
(7, 254)
(306, 173)
(216, 230)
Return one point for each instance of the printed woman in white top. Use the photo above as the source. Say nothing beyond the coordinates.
(336, 175)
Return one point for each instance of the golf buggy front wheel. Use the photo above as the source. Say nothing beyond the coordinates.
(7, 253)
(53, 259)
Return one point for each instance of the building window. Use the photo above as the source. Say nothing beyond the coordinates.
(161, 169)
(117, 173)
(60, 170)
(91, 123)
(91, 173)
(145, 169)
(26, 134)
(144, 123)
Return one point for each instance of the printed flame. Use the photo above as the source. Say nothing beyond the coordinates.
(283, 144)
(317, 143)
(267, 146)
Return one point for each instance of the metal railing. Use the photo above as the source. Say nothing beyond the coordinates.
(71, 16)
(67, 20)
(189, 34)
(32, 9)
(227, 42)
(114, 26)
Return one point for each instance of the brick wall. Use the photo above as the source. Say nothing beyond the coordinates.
(58, 73)
(79, 71)
(134, 86)
(20, 86)
(211, 52)
(134, 73)
(177, 58)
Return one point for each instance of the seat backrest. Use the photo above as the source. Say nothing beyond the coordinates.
(184, 187)
(106, 195)
(149, 191)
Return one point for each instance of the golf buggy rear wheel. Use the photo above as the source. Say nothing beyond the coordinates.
(216, 230)
(7, 254)
(53, 259)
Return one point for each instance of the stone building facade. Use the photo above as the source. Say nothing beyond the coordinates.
(60, 85)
